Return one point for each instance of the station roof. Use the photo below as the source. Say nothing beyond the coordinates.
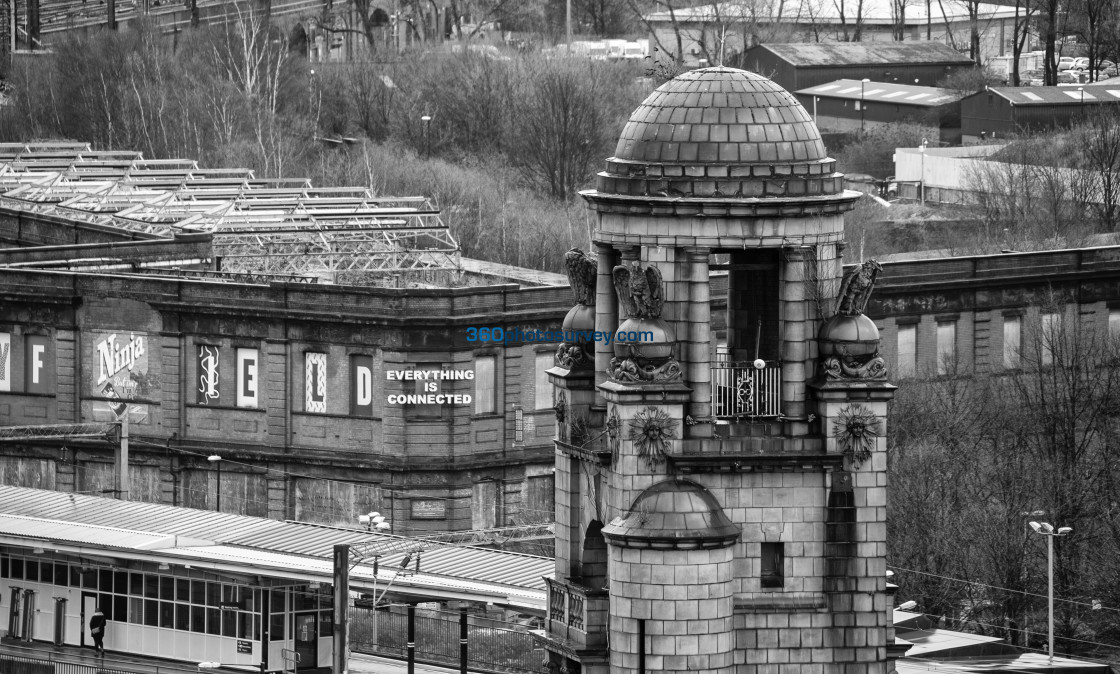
(1020, 663)
(1044, 96)
(78, 523)
(884, 92)
(832, 54)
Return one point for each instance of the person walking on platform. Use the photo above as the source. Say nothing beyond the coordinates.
(97, 631)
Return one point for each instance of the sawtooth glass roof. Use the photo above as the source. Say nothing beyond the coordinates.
(262, 226)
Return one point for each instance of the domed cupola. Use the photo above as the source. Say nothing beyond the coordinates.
(722, 133)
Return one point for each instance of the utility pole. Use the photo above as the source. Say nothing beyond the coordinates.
(111, 8)
(342, 609)
(569, 13)
(121, 459)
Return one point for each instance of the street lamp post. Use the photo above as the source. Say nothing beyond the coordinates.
(862, 103)
(217, 461)
(1047, 530)
(922, 181)
(427, 119)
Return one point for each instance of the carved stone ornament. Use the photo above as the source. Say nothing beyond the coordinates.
(643, 346)
(639, 290)
(634, 370)
(579, 353)
(836, 367)
(650, 431)
(582, 273)
(849, 340)
(561, 408)
(856, 288)
(614, 431)
(856, 430)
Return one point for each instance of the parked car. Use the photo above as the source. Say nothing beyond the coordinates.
(1081, 63)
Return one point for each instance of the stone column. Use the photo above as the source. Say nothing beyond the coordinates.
(606, 309)
(696, 343)
(856, 586)
(796, 313)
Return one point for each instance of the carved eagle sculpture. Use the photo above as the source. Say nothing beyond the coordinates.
(857, 287)
(582, 270)
(639, 290)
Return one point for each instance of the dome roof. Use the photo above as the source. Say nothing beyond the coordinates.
(673, 514)
(720, 132)
(848, 335)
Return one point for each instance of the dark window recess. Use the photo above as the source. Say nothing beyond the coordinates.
(183, 617)
(773, 559)
(198, 619)
(752, 303)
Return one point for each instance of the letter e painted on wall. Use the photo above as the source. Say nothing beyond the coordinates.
(315, 382)
(248, 379)
(361, 386)
(38, 364)
(5, 361)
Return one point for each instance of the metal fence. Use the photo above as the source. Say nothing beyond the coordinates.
(14, 664)
(742, 390)
(492, 645)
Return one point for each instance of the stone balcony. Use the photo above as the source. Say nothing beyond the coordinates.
(577, 619)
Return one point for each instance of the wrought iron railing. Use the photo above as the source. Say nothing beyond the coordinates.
(492, 645)
(743, 390)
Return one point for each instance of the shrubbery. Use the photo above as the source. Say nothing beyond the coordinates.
(508, 146)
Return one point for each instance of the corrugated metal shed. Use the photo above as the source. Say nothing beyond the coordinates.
(866, 53)
(884, 92)
(45, 516)
(1087, 94)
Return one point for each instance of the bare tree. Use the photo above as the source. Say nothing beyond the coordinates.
(1099, 142)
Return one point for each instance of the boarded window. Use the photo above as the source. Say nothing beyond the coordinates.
(333, 502)
(485, 385)
(1049, 338)
(485, 505)
(540, 499)
(907, 350)
(544, 386)
(19, 471)
(143, 481)
(1012, 337)
(946, 346)
(242, 493)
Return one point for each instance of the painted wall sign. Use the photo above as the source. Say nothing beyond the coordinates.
(5, 361)
(247, 377)
(209, 375)
(315, 382)
(361, 386)
(428, 509)
(38, 364)
(121, 365)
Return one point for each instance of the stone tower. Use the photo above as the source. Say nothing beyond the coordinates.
(720, 484)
